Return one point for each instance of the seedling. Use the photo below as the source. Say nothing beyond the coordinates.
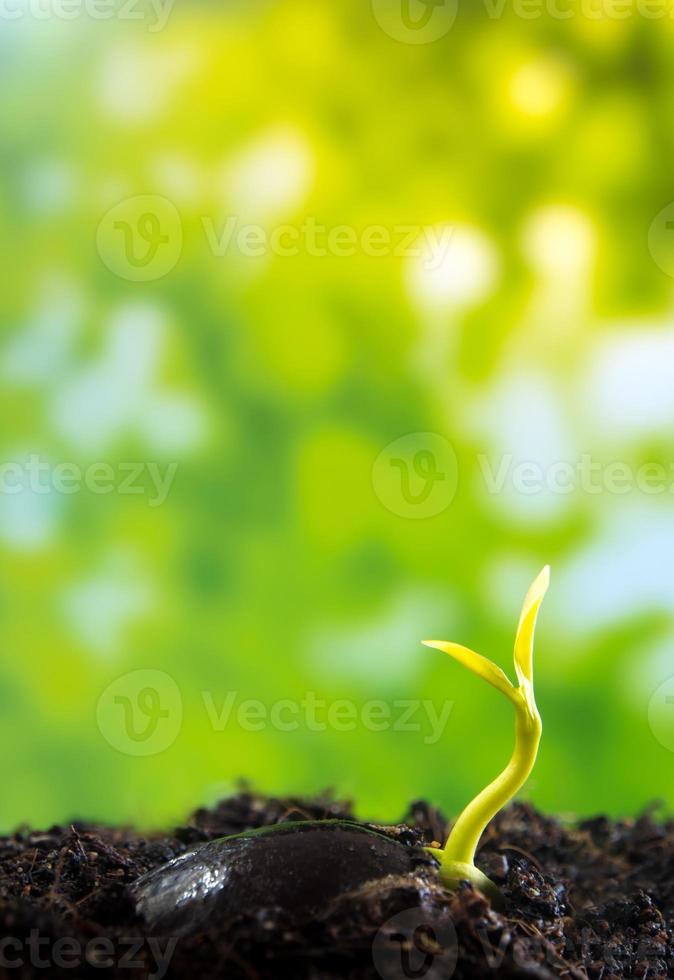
(301, 866)
(457, 857)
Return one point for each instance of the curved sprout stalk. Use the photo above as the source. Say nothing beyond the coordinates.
(457, 858)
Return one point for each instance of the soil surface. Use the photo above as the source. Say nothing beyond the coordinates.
(593, 900)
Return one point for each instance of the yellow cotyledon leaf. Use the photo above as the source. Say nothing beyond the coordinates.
(476, 662)
(524, 639)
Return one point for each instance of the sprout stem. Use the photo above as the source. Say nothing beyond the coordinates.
(457, 858)
(466, 833)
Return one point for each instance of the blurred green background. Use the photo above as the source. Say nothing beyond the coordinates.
(344, 425)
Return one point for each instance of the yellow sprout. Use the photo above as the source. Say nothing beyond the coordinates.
(457, 858)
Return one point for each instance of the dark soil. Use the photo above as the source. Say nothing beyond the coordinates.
(594, 900)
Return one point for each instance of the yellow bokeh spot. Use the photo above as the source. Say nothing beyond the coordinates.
(540, 88)
(559, 241)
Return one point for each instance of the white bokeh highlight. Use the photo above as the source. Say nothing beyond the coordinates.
(457, 267)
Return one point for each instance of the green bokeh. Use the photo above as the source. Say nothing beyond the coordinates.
(278, 567)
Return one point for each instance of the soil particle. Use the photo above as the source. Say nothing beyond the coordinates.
(593, 900)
